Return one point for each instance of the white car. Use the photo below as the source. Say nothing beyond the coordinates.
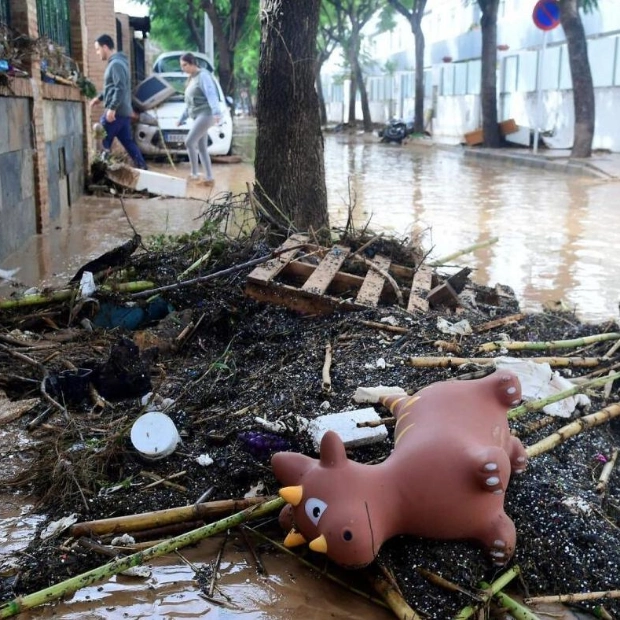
(156, 132)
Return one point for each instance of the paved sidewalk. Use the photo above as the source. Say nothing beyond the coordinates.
(601, 165)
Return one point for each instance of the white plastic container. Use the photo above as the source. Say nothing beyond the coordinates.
(154, 435)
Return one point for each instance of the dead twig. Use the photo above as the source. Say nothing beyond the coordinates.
(165, 481)
(216, 566)
(327, 382)
(606, 472)
(384, 326)
(213, 276)
(506, 320)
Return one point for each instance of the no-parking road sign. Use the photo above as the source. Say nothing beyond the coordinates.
(546, 14)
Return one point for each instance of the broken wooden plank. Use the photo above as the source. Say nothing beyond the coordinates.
(370, 291)
(269, 270)
(320, 280)
(419, 289)
(296, 299)
(443, 295)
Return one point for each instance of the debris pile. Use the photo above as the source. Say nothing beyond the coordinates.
(247, 348)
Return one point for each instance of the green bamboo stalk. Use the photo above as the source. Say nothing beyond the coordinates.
(516, 610)
(572, 429)
(119, 565)
(477, 246)
(551, 344)
(537, 405)
(490, 590)
(64, 294)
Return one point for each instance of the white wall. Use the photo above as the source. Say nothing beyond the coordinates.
(452, 88)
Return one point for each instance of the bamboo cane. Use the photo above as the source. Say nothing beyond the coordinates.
(476, 246)
(59, 590)
(606, 472)
(572, 429)
(551, 344)
(160, 518)
(449, 362)
(536, 405)
(490, 590)
(516, 610)
(573, 598)
(64, 294)
(393, 598)
(327, 364)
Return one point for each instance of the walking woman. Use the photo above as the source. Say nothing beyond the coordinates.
(202, 105)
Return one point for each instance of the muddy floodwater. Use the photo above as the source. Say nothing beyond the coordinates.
(556, 232)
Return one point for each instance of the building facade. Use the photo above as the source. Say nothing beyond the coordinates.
(529, 62)
(45, 134)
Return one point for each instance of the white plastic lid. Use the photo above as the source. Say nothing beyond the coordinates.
(154, 435)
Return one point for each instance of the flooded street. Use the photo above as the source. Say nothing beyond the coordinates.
(555, 241)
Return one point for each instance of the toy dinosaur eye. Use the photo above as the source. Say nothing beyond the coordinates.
(314, 509)
(347, 535)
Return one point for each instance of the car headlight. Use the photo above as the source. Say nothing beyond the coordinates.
(148, 119)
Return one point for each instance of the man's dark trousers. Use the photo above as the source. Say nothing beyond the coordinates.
(121, 128)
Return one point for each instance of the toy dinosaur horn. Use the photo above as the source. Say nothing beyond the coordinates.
(294, 539)
(292, 495)
(319, 544)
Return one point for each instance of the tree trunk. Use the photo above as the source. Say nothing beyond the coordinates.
(488, 95)
(289, 168)
(418, 125)
(583, 88)
(319, 92)
(361, 85)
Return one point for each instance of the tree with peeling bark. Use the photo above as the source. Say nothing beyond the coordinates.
(413, 11)
(488, 81)
(581, 74)
(351, 17)
(289, 168)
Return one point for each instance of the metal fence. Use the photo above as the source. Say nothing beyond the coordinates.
(5, 12)
(53, 17)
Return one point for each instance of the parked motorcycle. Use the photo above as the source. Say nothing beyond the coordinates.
(396, 130)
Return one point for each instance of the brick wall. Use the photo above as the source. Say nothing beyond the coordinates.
(98, 19)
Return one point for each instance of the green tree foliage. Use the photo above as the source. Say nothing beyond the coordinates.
(179, 24)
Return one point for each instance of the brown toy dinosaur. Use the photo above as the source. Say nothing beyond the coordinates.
(445, 479)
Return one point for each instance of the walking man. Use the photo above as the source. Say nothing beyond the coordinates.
(116, 97)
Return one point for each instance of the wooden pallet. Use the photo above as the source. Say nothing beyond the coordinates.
(309, 279)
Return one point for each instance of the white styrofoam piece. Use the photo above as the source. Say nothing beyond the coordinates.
(161, 184)
(539, 381)
(373, 394)
(154, 435)
(345, 424)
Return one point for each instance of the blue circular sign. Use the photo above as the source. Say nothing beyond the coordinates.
(546, 14)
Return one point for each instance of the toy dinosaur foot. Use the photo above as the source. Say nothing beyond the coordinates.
(508, 389)
(518, 456)
(492, 481)
(500, 538)
(493, 469)
(499, 552)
